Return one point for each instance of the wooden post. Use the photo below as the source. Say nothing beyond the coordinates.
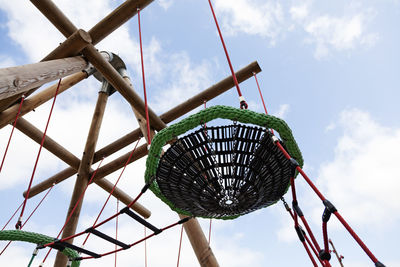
(16, 80)
(8, 116)
(83, 174)
(133, 136)
(203, 252)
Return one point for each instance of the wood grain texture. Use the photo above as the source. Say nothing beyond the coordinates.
(16, 80)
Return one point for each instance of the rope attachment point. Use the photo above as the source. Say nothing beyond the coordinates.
(243, 103)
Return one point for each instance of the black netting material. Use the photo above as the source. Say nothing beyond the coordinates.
(224, 171)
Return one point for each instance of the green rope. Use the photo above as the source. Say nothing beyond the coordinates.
(39, 239)
(206, 115)
(30, 262)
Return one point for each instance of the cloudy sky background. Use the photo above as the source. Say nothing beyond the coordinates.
(330, 69)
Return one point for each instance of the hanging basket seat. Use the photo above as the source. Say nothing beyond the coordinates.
(225, 171)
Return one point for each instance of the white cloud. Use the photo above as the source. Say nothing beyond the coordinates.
(165, 3)
(338, 33)
(282, 111)
(299, 12)
(253, 17)
(362, 179)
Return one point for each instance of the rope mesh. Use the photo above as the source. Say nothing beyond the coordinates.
(223, 171)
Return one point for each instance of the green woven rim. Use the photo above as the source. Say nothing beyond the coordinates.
(206, 115)
(39, 239)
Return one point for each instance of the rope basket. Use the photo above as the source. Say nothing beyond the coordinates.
(221, 172)
(224, 171)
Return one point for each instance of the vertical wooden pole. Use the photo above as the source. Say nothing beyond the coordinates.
(83, 173)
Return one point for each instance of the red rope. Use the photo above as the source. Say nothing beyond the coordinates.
(144, 82)
(116, 234)
(259, 91)
(112, 190)
(180, 247)
(75, 206)
(133, 244)
(12, 131)
(12, 217)
(145, 248)
(18, 225)
(243, 103)
(30, 215)
(336, 213)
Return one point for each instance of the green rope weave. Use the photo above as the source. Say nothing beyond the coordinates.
(38, 239)
(206, 115)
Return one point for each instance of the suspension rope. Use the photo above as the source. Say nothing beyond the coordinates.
(145, 248)
(259, 91)
(19, 223)
(243, 104)
(289, 210)
(144, 189)
(34, 254)
(116, 234)
(144, 81)
(12, 216)
(112, 190)
(75, 206)
(302, 235)
(180, 247)
(30, 215)
(12, 131)
(328, 205)
(339, 258)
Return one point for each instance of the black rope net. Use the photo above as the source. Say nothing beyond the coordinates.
(225, 171)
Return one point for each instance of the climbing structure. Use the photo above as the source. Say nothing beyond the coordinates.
(209, 171)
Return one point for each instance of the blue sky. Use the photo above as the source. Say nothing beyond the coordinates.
(330, 69)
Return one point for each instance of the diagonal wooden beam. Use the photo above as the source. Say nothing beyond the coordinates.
(116, 18)
(52, 146)
(116, 80)
(133, 136)
(55, 16)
